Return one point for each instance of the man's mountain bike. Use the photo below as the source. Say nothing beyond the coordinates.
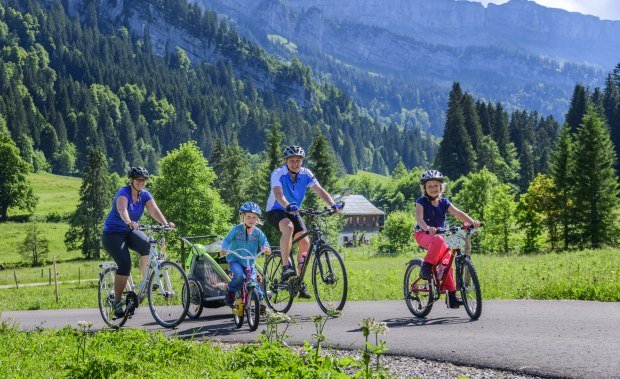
(329, 276)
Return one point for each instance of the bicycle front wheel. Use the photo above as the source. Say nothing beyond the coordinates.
(169, 294)
(278, 295)
(106, 297)
(470, 288)
(329, 279)
(418, 292)
(252, 309)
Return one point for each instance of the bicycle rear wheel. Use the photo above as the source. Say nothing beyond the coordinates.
(106, 296)
(470, 288)
(418, 292)
(252, 309)
(195, 299)
(278, 295)
(169, 300)
(329, 278)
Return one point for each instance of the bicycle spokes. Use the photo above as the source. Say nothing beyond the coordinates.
(329, 278)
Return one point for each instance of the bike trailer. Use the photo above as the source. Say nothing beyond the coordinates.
(207, 268)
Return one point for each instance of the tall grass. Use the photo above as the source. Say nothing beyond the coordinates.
(13, 234)
(585, 275)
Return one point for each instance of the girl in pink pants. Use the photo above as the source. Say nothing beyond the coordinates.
(430, 212)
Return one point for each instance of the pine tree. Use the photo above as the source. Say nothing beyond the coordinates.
(272, 155)
(611, 107)
(561, 173)
(235, 171)
(86, 225)
(596, 183)
(455, 156)
(472, 121)
(321, 161)
(578, 107)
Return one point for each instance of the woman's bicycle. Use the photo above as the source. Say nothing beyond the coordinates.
(165, 285)
(329, 276)
(421, 294)
(248, 298)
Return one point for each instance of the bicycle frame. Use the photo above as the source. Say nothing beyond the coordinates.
(455, 257)
(316, 241)
(247, 282)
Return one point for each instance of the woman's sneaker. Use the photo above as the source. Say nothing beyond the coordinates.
(426, 272)
(118, 309)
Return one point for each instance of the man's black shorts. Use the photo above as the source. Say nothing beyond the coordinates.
(276, 215)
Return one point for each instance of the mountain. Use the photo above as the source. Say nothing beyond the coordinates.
(520, 53)
(138, 78)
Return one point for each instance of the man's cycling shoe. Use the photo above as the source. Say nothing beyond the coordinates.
(304, 293)
(453, 301)
(426, 272)
(287, 273)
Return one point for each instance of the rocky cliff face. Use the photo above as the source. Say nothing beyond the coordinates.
(518, 24)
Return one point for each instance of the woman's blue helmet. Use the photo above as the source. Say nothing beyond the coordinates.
(250, 207)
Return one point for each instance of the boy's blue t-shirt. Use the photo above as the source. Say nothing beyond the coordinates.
(294, 191)
(434, 216)
(237, 239)
(114, 222)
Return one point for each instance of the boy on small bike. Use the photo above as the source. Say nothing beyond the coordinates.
(430, 213)
(246, 236)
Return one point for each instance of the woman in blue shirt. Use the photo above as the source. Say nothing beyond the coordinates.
(120, 231)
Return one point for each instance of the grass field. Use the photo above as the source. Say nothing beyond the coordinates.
(58, 195)
(585, 275)
(13, 234)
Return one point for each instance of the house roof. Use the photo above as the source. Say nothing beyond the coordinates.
(358, 205)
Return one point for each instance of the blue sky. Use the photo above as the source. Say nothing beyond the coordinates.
(604, 9)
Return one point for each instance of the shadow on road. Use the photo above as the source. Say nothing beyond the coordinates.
(405, 321)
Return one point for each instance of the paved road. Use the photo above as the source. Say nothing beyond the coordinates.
(548, 338)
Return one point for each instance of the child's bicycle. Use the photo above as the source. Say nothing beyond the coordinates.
(421, 294)
(248, 298)
(329, 276)
(165, 285)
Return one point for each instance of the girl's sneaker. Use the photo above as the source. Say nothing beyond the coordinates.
(453, 301)
(426, 272)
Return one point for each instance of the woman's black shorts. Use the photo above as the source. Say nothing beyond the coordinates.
(117, 244)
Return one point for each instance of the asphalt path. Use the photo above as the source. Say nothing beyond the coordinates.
(575, 339)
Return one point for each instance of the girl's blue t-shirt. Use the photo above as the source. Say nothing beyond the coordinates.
(238, 239)
(114, 222)
(434, 216)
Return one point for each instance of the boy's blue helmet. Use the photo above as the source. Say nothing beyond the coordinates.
(250, 207)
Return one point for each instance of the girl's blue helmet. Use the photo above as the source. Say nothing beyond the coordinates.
(250, 207)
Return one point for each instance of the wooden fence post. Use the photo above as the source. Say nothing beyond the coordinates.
(49, 272)
(79, 274)
(55, 279)
(15, 276)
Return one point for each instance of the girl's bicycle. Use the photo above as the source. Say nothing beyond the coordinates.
(421, 294)
(329, 276)
(165, 286)
(248, 298)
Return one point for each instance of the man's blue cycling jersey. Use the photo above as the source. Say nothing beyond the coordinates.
(294, 192)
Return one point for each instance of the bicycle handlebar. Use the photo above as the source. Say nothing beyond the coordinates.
(246, 257)
(455, 229)
(154, 227)
(316, 212)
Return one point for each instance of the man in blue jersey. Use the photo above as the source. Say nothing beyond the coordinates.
(289, 183)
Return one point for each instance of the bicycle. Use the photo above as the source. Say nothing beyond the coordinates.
(329, 276)
(165, 285)
(248, 298)
(421, 294)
